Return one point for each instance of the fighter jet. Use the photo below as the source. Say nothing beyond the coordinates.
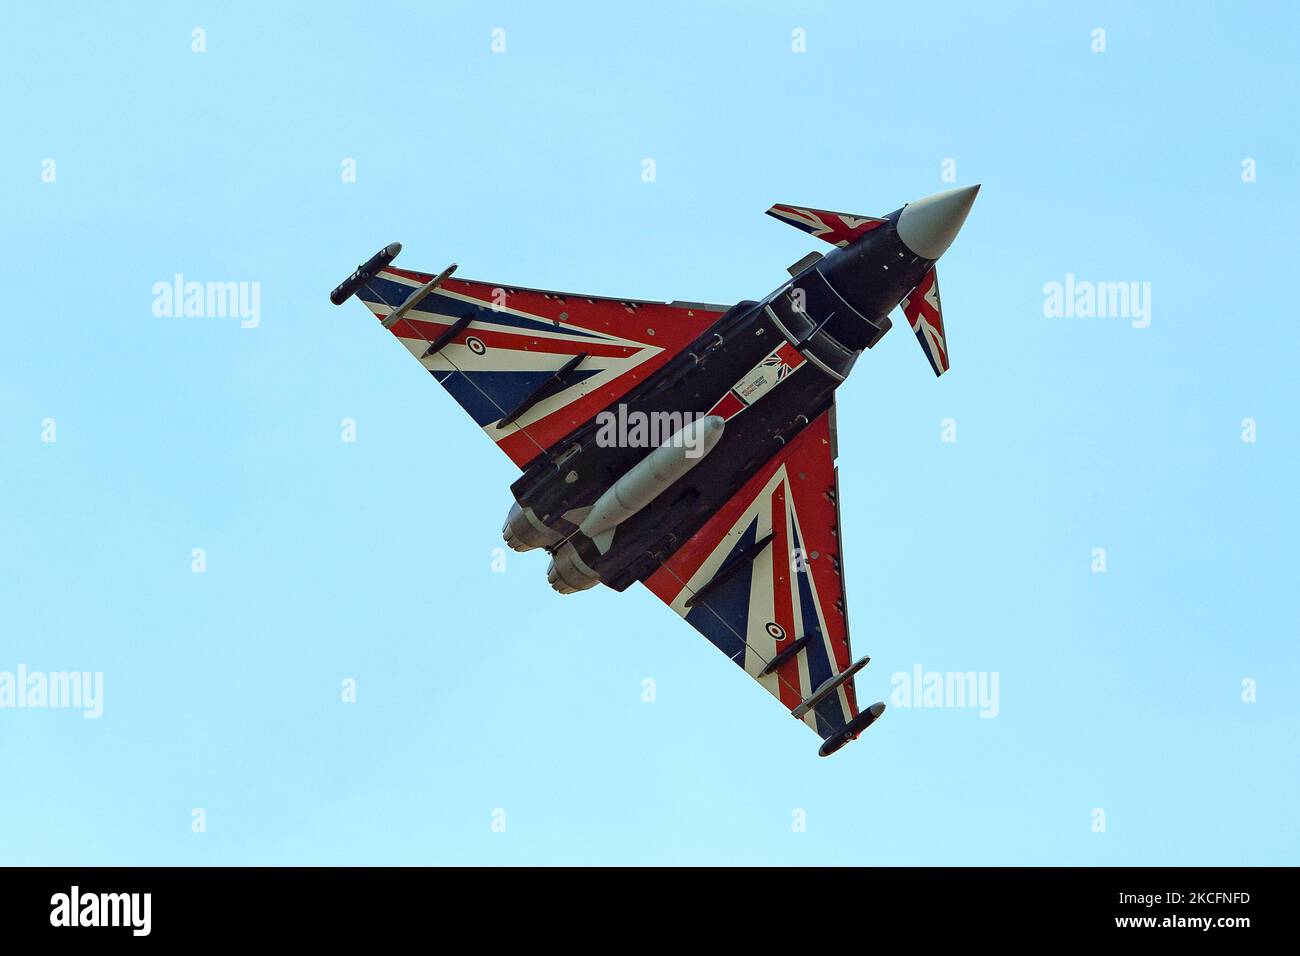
(687, 446)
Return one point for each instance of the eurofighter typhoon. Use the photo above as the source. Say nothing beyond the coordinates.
(687, 446)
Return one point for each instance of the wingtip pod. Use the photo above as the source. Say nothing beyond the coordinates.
(852, 729)
(365, 272)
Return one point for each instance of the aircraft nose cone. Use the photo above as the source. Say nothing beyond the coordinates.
(928, 226)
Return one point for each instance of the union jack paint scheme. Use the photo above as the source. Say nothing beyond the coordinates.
(733, 521)
(925, 314)
(760, 380)
(838, 228)
(518, 338)
(794, 587)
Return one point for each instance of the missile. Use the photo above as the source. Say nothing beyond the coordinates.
(650, 477)
(418, 296)
(852, 729)
(365, 272)
(828, 687)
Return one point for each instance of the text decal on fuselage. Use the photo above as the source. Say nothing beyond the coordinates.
(759, 380)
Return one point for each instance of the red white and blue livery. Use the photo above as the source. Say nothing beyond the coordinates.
(726, 505)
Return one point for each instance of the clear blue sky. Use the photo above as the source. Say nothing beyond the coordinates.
(372, 560)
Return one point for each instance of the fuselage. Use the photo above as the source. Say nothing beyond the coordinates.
(769, 367)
